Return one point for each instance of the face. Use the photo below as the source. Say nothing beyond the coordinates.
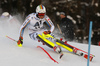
(62, 16)
(41, 15)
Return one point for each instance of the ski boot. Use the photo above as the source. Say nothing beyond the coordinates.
(57, 49)
(77, 52)
(86, 56)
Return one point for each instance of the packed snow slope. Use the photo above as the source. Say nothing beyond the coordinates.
(30, 55)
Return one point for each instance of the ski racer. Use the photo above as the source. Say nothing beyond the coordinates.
(35, 23)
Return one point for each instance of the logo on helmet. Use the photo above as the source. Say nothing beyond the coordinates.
(40, 9)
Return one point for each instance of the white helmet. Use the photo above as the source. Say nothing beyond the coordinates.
(5, 14)
(40, 9)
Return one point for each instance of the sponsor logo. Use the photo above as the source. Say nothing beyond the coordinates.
(48, 19)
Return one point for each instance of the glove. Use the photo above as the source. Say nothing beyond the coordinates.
(47, 32)
(20, 41)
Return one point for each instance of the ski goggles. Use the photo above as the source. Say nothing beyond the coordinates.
(41, 14)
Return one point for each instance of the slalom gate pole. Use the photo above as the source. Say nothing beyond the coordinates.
(89, 45)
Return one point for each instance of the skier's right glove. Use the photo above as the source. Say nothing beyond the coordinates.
(20, 41)
(47, 32)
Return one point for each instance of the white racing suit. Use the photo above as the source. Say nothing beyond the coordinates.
(35, 25)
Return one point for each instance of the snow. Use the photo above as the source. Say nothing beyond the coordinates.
(30, 55)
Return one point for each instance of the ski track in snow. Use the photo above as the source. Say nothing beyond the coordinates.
(30, 55)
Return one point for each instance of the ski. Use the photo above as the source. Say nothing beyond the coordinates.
(65, 45)
(75, 50)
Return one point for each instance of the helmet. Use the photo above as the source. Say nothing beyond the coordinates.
(40, 9)
(5, 14)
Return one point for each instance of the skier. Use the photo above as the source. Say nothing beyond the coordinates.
(35, 23)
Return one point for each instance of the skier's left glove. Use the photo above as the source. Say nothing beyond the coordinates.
(47, 32)
(20, 41)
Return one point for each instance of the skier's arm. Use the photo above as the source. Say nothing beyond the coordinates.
(20, 41)
(24, 25)
(50, 24)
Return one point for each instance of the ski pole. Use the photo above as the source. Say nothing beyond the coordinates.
(60, 30)
(11, 38)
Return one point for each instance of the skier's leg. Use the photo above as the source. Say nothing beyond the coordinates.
(48, 42)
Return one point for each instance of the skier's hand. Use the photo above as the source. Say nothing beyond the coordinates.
(47, 32)
(20, 41)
